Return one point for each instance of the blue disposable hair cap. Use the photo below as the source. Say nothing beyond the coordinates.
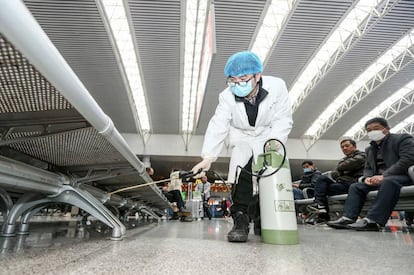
(243, 63)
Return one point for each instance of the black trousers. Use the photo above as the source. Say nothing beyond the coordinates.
(242, 192)
(206, 208)
(175, 196)
(380, 210)
(325, 187)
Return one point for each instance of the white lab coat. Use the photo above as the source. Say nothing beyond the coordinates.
(274, 120)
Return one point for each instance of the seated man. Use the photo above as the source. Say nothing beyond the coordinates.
(348, 170)
(310, 175)
(386, 169)
(172, 191)
(174, 196)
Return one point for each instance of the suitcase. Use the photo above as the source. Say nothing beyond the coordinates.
(196, 208)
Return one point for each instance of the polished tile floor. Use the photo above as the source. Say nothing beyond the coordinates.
(200, 247)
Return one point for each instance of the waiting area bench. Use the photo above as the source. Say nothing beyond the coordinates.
(57, 146)
(336, 203)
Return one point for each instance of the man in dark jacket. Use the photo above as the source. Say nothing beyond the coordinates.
(348, 170)
(308, 179)
(386, 169)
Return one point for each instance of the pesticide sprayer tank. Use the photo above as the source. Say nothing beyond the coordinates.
(277, 207)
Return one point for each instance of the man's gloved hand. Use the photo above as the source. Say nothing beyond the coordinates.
(203, 165)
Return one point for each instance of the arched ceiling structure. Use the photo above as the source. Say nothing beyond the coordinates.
(363, 62)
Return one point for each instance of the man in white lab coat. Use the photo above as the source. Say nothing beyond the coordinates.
(251, 110)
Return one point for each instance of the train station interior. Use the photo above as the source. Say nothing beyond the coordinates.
(103, 103)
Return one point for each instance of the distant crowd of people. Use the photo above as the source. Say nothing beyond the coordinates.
(173, 191)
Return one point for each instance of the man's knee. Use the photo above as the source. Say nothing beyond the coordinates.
(357, 187)
(323, 178)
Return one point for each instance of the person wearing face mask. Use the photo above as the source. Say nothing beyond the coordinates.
(308, 179)
(251, 110)
(386, 169)
(348, 170)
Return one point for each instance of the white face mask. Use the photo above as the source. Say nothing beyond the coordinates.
(376, 135)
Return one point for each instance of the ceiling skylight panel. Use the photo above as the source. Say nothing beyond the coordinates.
(335, 43)
(359, 127)
(116, 19)
(276, 15)
(406, 126)
(194, 34)
(387, 59)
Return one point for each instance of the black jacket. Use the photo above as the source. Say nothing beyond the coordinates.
(350, 168)
(309, 179)
(397, 151)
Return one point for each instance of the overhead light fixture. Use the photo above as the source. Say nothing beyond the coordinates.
(209, 48)
(199, 47)
(406, 126)
(397, 102)
(116, 19)
(338, 42)
(197, 51)
(383, 68)
(274, 19)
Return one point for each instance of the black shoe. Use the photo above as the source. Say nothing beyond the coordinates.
(313, 207)
(185, 219)
(240, 229)
(340, 223)
(175, 216)
(365, 225)
(317, 208)
(318, 214)
(318, 218)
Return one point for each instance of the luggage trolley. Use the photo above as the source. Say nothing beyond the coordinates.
(194, 203)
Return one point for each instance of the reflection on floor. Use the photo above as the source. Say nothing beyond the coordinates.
(200, 247)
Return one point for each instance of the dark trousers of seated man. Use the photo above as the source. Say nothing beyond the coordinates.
(325, 187)
(175, 196)
(387, 198)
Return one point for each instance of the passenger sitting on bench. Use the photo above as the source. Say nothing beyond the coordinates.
(174, 195)
(386, 169)
(348, 170)
(310, 175)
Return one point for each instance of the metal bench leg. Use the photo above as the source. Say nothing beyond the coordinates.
(24, 221)
(149, 212)
(29, 202)
(90, 204)
(6, 203)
